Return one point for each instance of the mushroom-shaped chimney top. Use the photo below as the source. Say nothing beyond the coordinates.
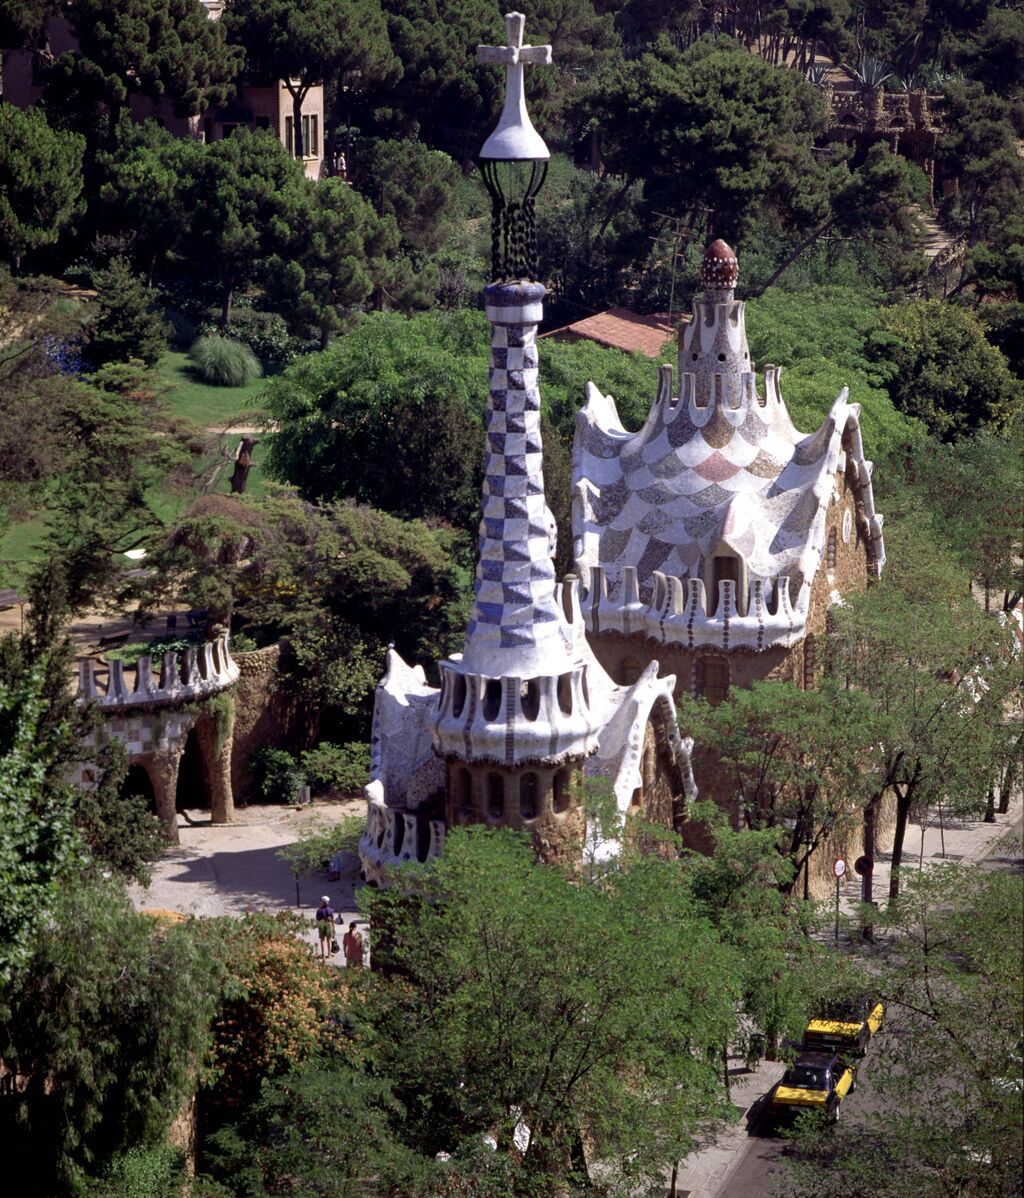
(719, 268)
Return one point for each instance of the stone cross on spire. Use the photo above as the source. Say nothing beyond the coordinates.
(515, 138)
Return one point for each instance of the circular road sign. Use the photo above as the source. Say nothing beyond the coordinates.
(839, 868)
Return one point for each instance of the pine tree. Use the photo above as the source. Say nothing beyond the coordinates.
(127, 325)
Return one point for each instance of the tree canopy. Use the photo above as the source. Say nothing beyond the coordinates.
(40, 181)
(107, 1021)
(948, 970)
(739, 132)
(938, 671)
(155, 48)
(944, 370)
(548, 997)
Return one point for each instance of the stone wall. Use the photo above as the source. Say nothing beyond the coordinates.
(656, 801)
(266, 712)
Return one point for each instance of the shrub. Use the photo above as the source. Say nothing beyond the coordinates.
(278, 776)
(224, 362)
(337, 767)
(945, 371)
(131, 652)
(265, 333)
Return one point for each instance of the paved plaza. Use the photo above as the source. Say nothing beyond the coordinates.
(233, 869)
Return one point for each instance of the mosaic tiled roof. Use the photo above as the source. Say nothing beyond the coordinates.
(720, 469)
(405, 771)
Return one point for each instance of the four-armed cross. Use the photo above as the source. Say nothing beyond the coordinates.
(515, 137)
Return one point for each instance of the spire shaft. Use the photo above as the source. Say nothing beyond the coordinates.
(516, 627)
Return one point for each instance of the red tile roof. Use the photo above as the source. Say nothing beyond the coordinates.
(620, 328)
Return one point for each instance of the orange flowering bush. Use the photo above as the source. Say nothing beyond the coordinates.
(279, 1007)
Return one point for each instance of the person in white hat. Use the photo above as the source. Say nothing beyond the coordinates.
(325, 926)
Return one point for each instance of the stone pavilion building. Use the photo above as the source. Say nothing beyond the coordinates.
(716, 537)
(525, 715)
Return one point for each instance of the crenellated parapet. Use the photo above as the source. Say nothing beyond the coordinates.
(679, 613)
(174, 678)
(510, 720)
(393, 838)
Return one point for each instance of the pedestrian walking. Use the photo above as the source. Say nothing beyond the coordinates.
(353, 945)
(325, 926)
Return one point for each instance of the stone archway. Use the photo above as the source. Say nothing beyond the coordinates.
(138, 782)
(192, 785)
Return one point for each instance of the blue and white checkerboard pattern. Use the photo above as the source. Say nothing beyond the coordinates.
(515, 607)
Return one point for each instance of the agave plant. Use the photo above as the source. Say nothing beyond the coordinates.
(909, 83)
(817, 73)
(871, 73)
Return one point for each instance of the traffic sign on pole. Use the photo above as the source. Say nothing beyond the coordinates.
(839, 868)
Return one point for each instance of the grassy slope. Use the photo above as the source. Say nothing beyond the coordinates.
(203, 404)
(186, 398)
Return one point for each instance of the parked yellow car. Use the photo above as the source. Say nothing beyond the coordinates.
(816, 1081)
(845, 1027)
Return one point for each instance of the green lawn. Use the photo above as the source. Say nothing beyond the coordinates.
(19, 546)
(202, 403)
(168, 505)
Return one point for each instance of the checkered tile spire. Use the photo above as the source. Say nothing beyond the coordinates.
(516, 627)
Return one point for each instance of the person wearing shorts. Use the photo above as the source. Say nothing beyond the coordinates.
(325, 926)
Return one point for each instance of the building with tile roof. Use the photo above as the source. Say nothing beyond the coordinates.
(525, 715)
(717, 536)
(620, 328)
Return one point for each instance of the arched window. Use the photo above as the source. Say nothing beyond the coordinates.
(529, 698)
(565, 693)
(495, 796)
(458, 694)
(711, 679)
(464, 794)
(830, 550)
(562, 792)
(492, 699)
(528, 796)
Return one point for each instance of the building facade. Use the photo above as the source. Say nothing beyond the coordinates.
(256, 105)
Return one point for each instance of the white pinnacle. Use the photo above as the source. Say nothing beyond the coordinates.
(515, 138)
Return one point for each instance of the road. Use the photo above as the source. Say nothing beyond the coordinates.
(762, 1171)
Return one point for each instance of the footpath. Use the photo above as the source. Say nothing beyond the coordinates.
(234, 869)
(706, 1172)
